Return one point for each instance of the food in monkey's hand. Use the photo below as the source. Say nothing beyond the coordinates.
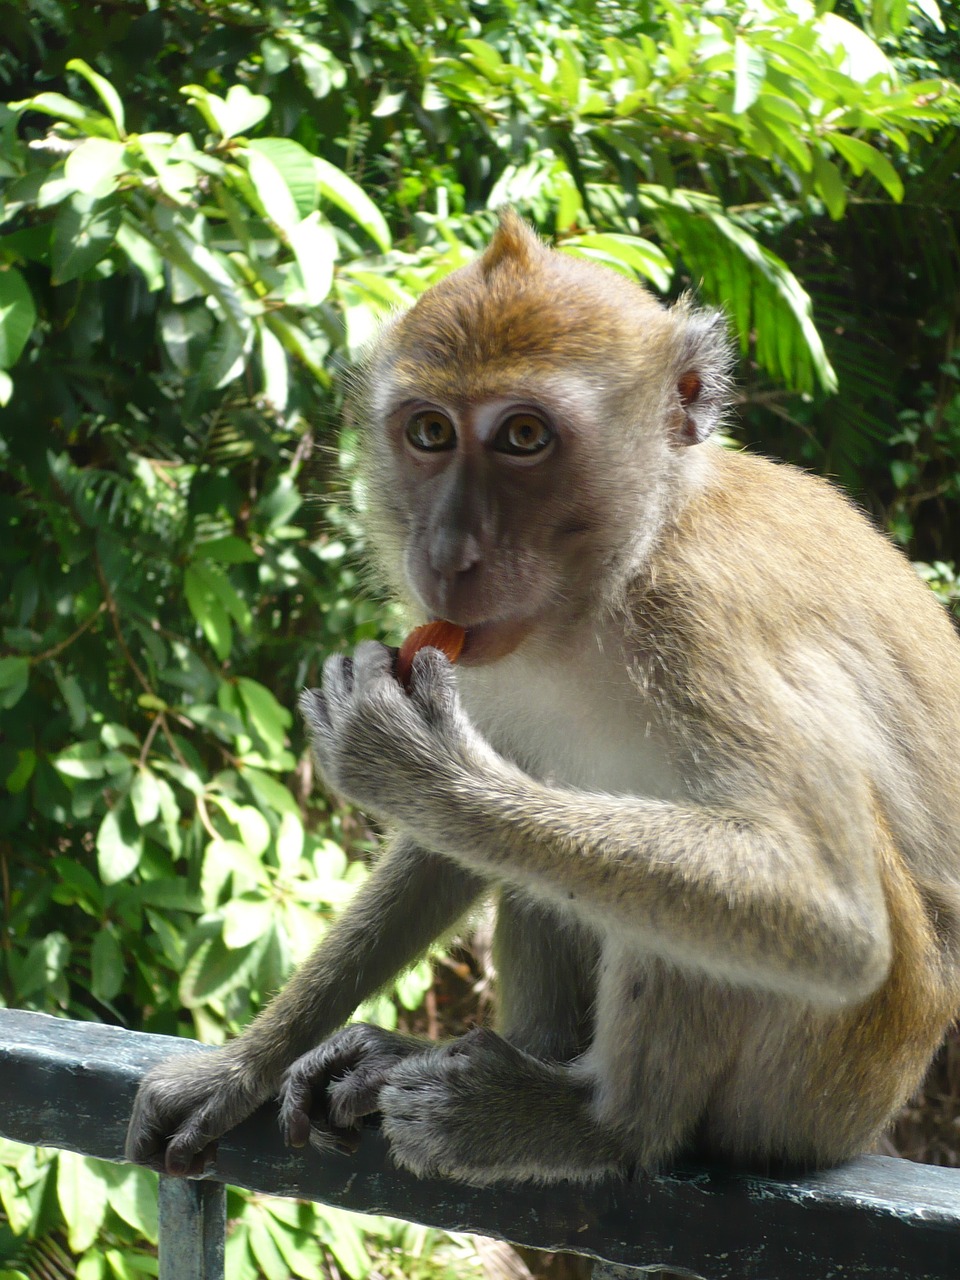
(445, 636)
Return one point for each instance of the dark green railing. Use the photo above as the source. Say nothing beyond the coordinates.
(71, 1084)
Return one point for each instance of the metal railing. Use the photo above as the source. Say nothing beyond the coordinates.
(71, 1085)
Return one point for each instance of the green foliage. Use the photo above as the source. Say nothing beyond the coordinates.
(205, 209)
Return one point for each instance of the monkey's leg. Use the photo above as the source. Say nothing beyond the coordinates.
(187, 1102)
(480, 1110)
(546, 978)
(545, 984)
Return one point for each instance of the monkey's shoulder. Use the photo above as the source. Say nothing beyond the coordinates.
(783, 557)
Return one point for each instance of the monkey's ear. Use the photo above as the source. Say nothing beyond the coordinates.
(703, 382)
(514, 242)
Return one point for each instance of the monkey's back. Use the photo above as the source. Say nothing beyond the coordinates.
(819, 671)
(754, 635)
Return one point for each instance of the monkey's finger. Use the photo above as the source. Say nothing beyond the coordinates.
(301, 1099)
(433, 686)
(192, 1147)
(372, 662)
(294, 1125)
(300, 1125)
(358, 1094)
(316, 713)
(338, 679)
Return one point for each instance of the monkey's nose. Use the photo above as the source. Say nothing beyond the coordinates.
(452, 558)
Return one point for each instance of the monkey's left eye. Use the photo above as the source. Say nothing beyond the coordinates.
(523, 434)
(431, 431)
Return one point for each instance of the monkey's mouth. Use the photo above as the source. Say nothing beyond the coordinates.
(490, 641)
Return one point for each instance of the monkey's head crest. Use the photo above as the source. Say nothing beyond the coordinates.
(514, 242)
(513, 310)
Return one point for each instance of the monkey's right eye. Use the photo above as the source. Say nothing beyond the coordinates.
(431, 431)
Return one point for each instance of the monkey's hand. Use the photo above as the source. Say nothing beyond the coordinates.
(185, 1104)
(328, 1091)
(388, 751)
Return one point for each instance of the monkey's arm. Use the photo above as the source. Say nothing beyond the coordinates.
(183, 1105)
(783, 897)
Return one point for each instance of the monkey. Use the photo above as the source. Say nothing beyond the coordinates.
(699, 745)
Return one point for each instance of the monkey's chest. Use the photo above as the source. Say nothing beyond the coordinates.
(580, 723)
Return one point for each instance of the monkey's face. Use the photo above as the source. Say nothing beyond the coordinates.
(499, 528)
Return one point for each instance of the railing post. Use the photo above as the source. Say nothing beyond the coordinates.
(193, 1224)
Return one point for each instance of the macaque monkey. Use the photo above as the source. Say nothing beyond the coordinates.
(701, 743)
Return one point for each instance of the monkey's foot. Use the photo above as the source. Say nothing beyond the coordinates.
(480, 1110)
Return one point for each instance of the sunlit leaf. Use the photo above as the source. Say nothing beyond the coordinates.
(17, 318)
(295, 167)
(341, 190)
(94, 166)
(82, 1194)
(239, 111)
(315, 249)
(108, 94)
(83, 233)
(749, 73)
(107, 970)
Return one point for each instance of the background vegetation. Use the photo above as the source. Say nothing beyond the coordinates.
(205, 205)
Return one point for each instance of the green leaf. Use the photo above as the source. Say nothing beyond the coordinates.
(108, 94)
(63, 108)
(315, 249)
(273, 360)
(272, 192)
(289, 843)
(264, 1249)
(640, 256)
(236, 113)
(342, 191)
(346, 1241)
(73, 697)
(145, 797)
(227, 860)
(224, 358)
(213, 971)
(19, 777)
(207, 608)
(43, 965)
(132, 1194)
(82, 1194)
(93, 167)
(106, 966)
(295, 166)
(14, 674)
(253, 827)
(119, 845)
(226, 550)
(829, 185)
(18, 315)
(264, 712)
(83, 232)
(749, 73)
(244, 921)
(144, 255)
(861, 156)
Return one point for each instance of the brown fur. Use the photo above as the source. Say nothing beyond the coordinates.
(702, 739)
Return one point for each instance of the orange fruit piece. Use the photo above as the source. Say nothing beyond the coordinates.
(445, 636)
